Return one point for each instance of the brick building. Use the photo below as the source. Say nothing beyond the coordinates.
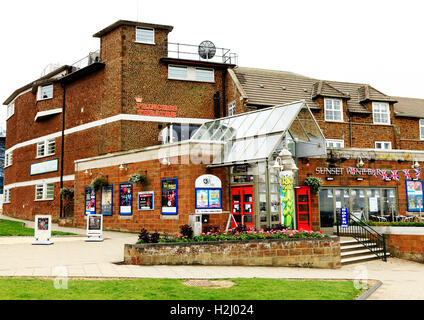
(134, 109)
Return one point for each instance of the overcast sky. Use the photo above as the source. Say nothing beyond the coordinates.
(373, 41)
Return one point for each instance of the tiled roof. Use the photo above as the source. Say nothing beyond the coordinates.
(270, 88)
(409, 107)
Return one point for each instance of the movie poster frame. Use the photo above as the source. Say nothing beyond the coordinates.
(119, 199)
(101, 201)
(407, 196)
(85, 201)
(176, 197)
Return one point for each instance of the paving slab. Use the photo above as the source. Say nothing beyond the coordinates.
(401, 279)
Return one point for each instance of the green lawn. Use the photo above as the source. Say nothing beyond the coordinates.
(173, 289)
(14, 228)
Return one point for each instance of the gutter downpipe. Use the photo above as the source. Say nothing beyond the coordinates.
(350, 130)
(62, 147)
(224, 97)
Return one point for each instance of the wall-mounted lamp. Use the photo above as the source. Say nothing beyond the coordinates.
(285, 161)
(88, 172)
(360, 163)
(359, 179)
(415, 165)
(121, 167)
(329, 178)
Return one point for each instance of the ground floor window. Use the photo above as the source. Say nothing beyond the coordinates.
(44, 191)
(370, 201)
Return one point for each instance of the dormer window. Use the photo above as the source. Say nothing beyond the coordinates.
(333, 109)
(145, 35)
(381, 113)
(45, 92)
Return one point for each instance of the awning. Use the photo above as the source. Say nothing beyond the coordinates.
(43, 114)
(254, 136)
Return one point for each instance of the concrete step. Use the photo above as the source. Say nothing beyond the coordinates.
(350, 259)
(356, 246)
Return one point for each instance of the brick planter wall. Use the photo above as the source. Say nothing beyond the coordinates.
(408, 247)
(308, 253)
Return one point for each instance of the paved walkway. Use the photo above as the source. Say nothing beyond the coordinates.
(401, 279)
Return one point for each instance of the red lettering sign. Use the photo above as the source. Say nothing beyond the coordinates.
(155, 110)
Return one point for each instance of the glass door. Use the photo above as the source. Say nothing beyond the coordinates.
(326, 208)
(242, 206)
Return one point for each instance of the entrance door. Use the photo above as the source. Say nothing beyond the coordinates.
(303, 206)
(242, 206)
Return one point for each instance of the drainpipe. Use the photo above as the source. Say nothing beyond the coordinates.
(62, 149)
(350, 131)
(224, 97)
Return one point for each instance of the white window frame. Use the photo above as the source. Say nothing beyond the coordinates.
(40, 92)
(382, 144)
(332, 109)
(6, 196)
(176, 77)
(374, 105)
(8, 159)
(334, 141)
(10, 110)
(421, 128)
(232, 108)
(43, 188)
(45, 146)
(145, 42)
(191, 74)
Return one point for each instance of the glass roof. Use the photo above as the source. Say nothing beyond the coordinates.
(253, 136)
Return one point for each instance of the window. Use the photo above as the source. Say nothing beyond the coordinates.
(334, 143)
(191, 74)
(44, 191)
(232, 108)
(46, 148)
(145, 35)
(383, 145)
(8, 159)
(381, 113)
(333, 109)
(422, 129)
(177, 72)
(6, 196)
(178, 132)
(10, 110)
(45, 92)
(204, 75)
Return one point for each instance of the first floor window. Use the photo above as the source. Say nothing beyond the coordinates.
(8, 159)
(191, 73)
(334, 143)
(46, 148)
(422, 129)
(44, 191)
(383, 145)
(381, 113)
(333, 109)
(232, 108)
(6, 195)
(175, 72)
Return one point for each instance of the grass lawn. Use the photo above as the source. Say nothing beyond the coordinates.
(14, 228)
(173, 289)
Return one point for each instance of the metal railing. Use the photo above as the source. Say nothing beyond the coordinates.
(87, 60)
(191, 52)
(364, 234)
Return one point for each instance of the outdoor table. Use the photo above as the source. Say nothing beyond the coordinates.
(408, 218)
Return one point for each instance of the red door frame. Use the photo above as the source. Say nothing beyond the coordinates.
(243, 210)
(303, 208)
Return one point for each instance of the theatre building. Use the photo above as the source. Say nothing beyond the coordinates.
(149, 133)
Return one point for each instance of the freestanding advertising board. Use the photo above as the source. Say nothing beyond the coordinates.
(43, 230)
(208, 194)
(94, 228)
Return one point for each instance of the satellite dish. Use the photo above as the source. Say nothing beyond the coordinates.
(50, 68)
(207, 50)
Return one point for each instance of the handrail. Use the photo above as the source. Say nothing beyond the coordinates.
(365, 234)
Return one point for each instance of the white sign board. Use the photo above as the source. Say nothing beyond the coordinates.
(94, 228)
(43, 229)
(208, 195)
(373, 204)
(44, 167)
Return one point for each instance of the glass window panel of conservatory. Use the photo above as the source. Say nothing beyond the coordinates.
(198, 135)
(259, 121)
(267, 145)
(233, 127)
(250, 120)
(234, 152)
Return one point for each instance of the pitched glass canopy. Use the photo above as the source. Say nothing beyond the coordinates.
(253, 136)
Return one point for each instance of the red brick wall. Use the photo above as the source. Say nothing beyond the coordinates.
(409, 247)
(150, 220)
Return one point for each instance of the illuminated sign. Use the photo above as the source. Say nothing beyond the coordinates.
(155, 110)
(44, 167)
